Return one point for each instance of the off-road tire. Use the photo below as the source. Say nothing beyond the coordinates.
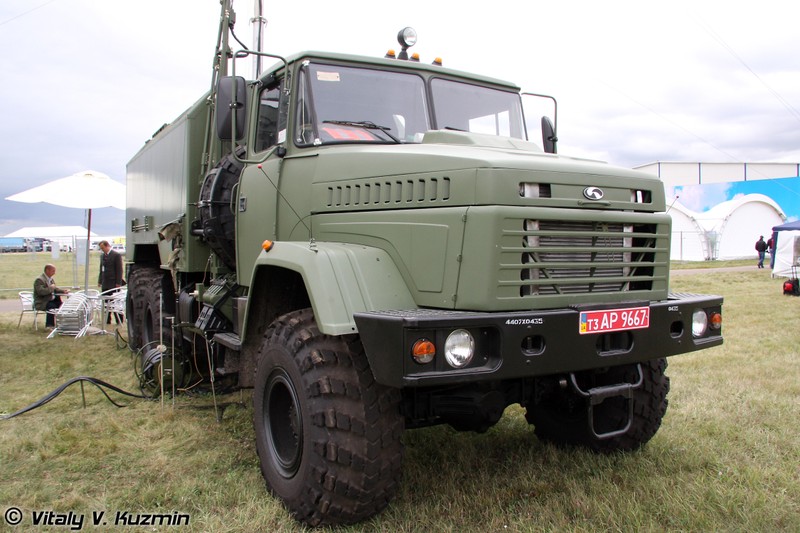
(328, 436)
(561, 417)
(143, 307)
(214, 208)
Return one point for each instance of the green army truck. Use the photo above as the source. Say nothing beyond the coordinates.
(374, 245)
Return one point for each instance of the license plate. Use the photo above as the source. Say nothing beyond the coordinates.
(607, 320)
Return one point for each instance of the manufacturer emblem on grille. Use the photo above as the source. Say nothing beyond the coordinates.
(593, 193)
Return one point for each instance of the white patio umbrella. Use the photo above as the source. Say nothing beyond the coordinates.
(84, 190)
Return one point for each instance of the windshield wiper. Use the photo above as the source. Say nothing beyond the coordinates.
(366, 124)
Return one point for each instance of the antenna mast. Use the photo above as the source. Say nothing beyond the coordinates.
(259, 23)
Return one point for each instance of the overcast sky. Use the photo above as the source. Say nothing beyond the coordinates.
(85, 83)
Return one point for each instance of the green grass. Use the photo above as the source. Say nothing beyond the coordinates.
(18, 270)
(682, 265)
(725, 459)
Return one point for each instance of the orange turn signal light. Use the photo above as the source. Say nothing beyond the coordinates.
(715, 321)
(423, 351)
(267, 245)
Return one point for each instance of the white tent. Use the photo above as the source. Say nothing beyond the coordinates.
(60, 234)
(735, 225)
(787, 254)
(688, 237)
(726, 231)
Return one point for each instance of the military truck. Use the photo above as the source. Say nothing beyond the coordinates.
(372, 244)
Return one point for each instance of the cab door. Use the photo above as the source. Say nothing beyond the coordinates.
(256, 204)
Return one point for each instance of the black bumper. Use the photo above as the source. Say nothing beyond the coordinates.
(526, 344)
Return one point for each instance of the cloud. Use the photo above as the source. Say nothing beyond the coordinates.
(86, 83)
(700, 198)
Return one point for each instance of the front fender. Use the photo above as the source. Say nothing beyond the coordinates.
(341, 280)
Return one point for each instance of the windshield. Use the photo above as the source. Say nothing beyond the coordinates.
(360, 105)
(342, 104)
(465, 107)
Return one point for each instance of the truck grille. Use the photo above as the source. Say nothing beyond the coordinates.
(581, 257)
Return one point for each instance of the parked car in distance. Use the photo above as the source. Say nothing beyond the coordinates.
(119, 248)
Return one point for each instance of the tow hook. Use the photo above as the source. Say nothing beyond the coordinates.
(596, 396)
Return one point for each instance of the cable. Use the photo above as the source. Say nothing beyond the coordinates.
(237, 39)
(15, 17)
(792, 111)
(96, 382)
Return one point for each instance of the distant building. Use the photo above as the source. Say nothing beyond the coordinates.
(720, 209)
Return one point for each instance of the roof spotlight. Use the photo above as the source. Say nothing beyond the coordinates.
(407, 37)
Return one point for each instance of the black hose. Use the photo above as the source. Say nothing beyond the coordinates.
(96, 382)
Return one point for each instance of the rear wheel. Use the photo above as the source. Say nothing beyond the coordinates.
(145, 308)
(328, 436)
(561, 414)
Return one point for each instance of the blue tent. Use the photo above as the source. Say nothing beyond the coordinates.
(788, 226)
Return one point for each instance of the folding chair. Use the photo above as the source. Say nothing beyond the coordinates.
(113, 302)
(74, 317)
(26, 301)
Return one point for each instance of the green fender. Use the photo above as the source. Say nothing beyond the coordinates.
(341, 279)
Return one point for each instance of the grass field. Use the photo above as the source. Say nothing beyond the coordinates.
(18, 270)
(726, 458)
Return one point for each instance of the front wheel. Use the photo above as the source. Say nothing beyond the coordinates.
(327, 435)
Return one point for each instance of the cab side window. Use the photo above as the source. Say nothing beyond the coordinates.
(271, 126)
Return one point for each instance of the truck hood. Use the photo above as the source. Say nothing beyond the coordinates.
(473, 169)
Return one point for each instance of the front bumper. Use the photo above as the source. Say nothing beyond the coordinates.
(527, 344)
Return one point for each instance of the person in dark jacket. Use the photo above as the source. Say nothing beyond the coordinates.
(761, 248)
(47, 295)
(110, 273)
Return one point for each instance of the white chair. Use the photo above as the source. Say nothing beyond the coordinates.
(26, 301)
(112, 301)
(92, 297)
(74, 317)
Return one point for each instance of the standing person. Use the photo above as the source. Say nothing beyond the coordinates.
(772, 243)
(761, 248)
(47, 295)
(110, 273)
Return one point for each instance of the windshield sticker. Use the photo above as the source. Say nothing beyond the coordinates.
(328, 76)
(347, 134)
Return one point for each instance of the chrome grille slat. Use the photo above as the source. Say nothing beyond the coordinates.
(581, 257)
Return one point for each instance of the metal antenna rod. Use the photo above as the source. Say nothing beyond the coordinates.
(259, 23)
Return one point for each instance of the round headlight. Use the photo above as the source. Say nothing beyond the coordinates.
(407, 37)
(459, 348)
(699, 323)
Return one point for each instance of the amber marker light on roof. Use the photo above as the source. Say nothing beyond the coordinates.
(437, 62)
(267, 245)
(423, 351)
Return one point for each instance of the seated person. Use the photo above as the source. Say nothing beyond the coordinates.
(46, 295)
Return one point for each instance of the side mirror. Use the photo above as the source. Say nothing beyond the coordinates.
(549, 139)
(231, 103)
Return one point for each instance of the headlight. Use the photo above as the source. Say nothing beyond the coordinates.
(699, 323)
(407, 37)
(459, 348)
